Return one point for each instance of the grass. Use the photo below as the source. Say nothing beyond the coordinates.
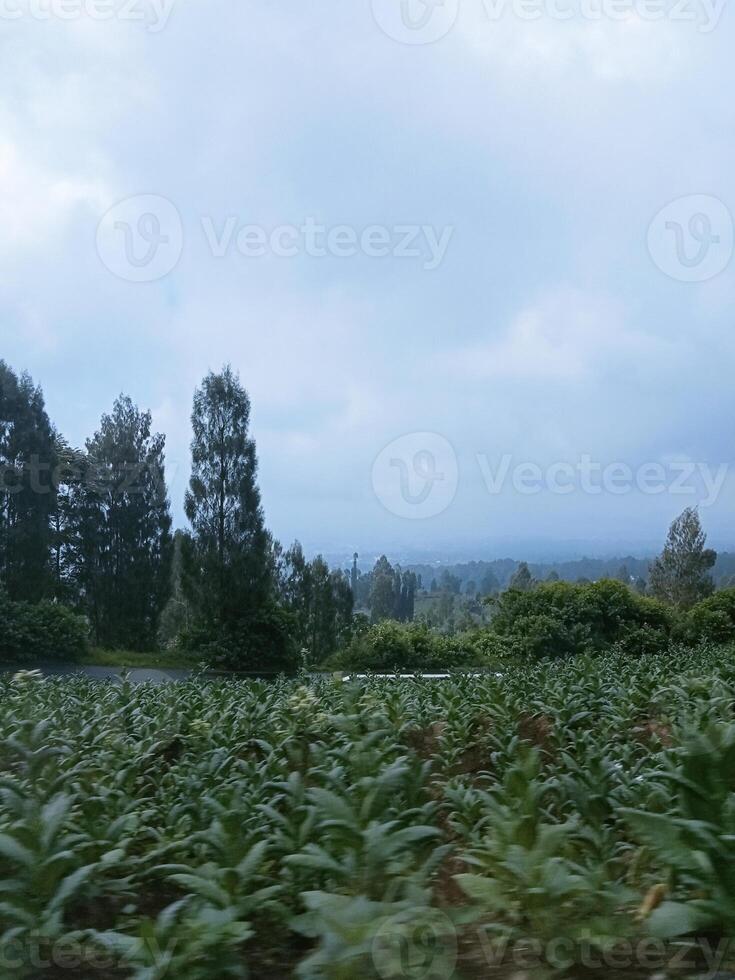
(164, 659)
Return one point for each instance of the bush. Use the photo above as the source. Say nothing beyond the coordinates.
(389, 646)
(560, 619)
(38, 632)
(262, 643)
(712, 620)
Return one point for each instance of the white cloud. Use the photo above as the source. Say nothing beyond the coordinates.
(524, 51)
(36, 202)
(547, 146)
(565, 336)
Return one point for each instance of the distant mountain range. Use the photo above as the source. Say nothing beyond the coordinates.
(569, 570)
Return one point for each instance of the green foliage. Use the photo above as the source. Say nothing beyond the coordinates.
(558, 619)
(333, 830)
(265, 642)
(392, 593)
(695, 841)
(535, 874)
(319, 601)
(522, 580)
(188, 940)
(712, 620)
(123, 544)
(27, 491)
(391, 646)
(227, 569)
(680, 575)
(41, 632)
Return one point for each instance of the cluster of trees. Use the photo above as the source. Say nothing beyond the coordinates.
(487, 577)
(684, 573)
(680, 576)
(319, 600)
(524, 580)
(553, 618)
(27, 456)
(385, 592)
(392, 593)
(91, 529)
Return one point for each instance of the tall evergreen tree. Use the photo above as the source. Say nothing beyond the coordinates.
(27, 492)
(521, 579)
(71, 470)
(319, 600)
(123, 529)
(392, 592)
(680, 575)
(228, 571)
(405, 588)
(383, 591)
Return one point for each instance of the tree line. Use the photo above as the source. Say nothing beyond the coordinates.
(91, 529)
(482, 578)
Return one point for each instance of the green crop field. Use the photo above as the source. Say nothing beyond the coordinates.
(552, 819)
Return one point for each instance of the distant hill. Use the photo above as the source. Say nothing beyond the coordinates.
(569, 571)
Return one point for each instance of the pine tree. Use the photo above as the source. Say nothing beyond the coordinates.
(122, 529)
(680, 574)
(383, 591)
(319, 600)
(490, 584)
(228, 567)
(410, 605)
(522, 580)
(27, 491)
(71, 471)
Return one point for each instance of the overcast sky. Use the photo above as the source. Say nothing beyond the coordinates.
(462, 245)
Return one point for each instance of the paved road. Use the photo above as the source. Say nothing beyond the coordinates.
(137, 675)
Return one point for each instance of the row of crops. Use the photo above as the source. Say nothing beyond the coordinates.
(552, 819)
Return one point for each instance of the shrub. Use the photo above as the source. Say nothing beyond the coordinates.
(712, 620)
(548, 635)
(263, 643)
(560, 619)
(41, 631)
(391, 646)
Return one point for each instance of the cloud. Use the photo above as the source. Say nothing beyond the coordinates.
(567, 336)
(547, 146)
(604, 51)
(37, 202)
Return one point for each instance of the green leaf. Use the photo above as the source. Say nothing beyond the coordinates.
(14, 851)
(673, 919)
